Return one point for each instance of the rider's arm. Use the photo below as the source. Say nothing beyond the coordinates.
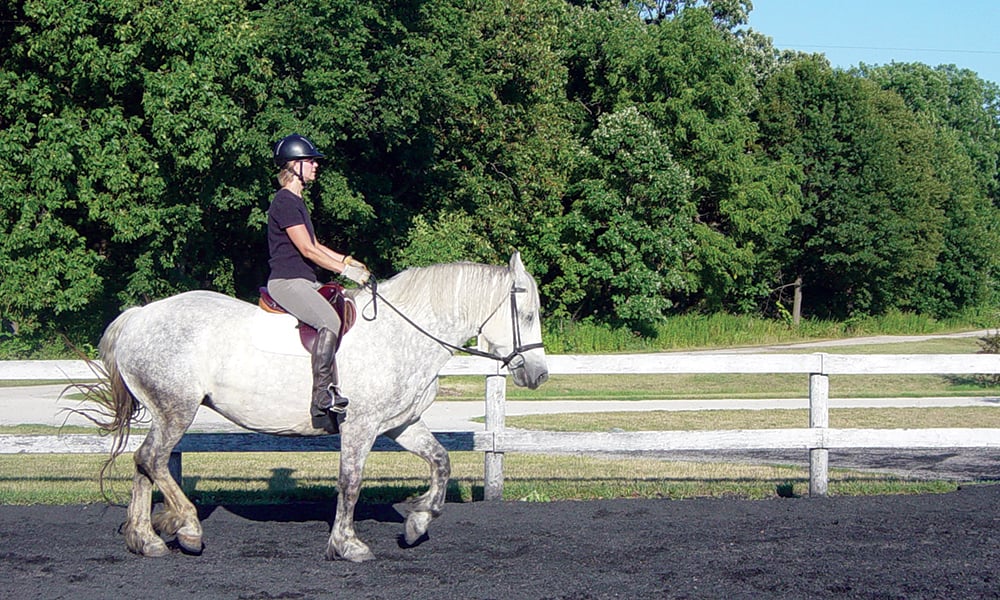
(314, 251)
(337, 256)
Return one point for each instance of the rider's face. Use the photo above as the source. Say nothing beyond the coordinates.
(309, 167)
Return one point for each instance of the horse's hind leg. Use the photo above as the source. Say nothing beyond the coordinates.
(140, 537)
(178, 517)
(420, 511)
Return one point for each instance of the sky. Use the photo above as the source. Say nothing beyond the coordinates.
(877, 32)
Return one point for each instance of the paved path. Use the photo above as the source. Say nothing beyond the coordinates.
(871, 340)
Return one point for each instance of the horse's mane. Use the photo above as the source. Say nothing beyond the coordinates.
(445, 285)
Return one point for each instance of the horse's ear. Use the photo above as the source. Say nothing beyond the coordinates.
(516, 266)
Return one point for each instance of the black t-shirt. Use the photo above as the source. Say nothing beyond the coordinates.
(286, 261)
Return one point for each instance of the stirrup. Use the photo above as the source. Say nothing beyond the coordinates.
(333, 413)
(339, 405)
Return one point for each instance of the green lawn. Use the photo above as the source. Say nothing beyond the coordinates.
(266, 478)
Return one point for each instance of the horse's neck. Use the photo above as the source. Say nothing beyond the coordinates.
(455, 307)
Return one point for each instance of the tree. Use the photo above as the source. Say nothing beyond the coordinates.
(727, 14)
(627, 234)
(136, 138)
(957, 99)
(469, 126)
(691, 76)
(644, 160)
(965, 111)
(873, 206)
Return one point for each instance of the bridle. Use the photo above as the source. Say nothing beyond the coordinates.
(507, 361)
(518, 348)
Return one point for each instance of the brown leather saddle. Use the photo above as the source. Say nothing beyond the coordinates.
(334, 294)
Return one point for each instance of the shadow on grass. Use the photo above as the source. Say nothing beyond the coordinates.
(313, 503)
(320, 493)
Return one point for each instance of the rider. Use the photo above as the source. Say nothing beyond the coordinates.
(294, 255)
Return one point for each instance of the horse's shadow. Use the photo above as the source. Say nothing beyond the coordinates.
(376, 503)
(299, 511)
(383, 504)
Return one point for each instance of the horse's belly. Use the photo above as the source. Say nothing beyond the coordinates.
(276, 422)
(269, 394)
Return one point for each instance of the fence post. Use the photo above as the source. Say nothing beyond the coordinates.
(174, 466)
(819, 417)
(496, 397)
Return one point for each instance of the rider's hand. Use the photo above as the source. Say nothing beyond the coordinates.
(350, 260)
(355, 270)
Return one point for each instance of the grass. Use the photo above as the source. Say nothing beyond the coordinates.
(721, 386)
(730, 386)
(35, 429)
(842, 418)
(267, 478)
(721, 330)
(30, 382)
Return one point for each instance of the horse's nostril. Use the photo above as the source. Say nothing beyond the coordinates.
(537, 381)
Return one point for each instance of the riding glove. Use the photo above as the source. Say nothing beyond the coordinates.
(355, 270)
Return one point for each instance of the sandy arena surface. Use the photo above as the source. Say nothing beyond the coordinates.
(922, 546)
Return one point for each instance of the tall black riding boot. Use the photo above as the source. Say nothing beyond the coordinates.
(338, 410)
(325, 396)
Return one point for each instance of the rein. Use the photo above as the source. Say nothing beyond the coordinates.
(517, 351)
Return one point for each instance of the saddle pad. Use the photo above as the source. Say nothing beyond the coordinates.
(276, 333)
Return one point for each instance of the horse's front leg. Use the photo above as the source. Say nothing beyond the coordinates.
(355, 444)
(420, 511)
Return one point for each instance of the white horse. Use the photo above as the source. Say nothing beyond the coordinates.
(198, 348)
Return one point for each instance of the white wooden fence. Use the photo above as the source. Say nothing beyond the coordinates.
(497, 440)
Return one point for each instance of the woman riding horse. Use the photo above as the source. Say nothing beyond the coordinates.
(294, 255)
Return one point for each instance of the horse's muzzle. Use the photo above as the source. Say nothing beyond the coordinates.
(530, 375)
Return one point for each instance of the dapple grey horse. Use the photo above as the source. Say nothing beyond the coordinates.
(203, 348)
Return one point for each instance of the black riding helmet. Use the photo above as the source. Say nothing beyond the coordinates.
(294, 147)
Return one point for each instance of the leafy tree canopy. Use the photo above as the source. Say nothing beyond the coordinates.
(645, 157)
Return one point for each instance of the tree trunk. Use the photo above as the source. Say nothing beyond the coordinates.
(797, 302)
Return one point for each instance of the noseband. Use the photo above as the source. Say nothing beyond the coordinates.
(519, 348)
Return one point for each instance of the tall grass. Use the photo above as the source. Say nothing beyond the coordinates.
(717, 330)
(690, 331)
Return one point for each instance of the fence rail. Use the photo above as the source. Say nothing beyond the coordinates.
(496, 440)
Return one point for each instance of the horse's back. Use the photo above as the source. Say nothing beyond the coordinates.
(196, 307)
(200, 301)
(178, 331)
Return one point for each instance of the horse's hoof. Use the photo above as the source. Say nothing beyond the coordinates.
(356, 552)
(151, 549)
(190, 543)
(416, 526)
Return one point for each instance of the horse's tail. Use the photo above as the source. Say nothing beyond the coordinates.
(119, 408)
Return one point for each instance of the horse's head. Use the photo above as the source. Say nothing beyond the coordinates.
(515, 332)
